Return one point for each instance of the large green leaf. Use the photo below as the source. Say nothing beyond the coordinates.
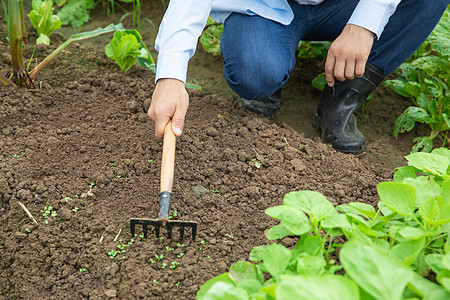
(429, 162)
(246, 276)
(328, 287)
(276, 259)
(397, 196)
(225, 278)
(425, 188)
(292, 219)
(222, 290)
(306, 200)
(375, 272)
(408, 252)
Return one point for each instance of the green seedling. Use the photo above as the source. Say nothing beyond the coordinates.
(202, 142)
(202, 243)
(47, 211)
(122, 249)
(180, 245)
(163, 266)
(169, 249)
(219, 116)
(67, 199)
(43, 20)
(15, 155)
(174, 215)
(159, 257)
(75, 209)
(27, 230)
(92, 184)
(257, 163)
(174, 265)
(180, 255)
(150, 160)
(155, 282)
(152, 260)
(83, 270)
(177, 284)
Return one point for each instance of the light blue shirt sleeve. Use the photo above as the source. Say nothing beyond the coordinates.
(373, 15)
(177, 37)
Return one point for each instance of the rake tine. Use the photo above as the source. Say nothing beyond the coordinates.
(157, 230)
(181, 232)
(144, 229)
(169, 230)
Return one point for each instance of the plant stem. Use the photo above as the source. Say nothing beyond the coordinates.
(446, 138)
(15, 33)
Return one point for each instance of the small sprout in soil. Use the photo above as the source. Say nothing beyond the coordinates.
(83, 270)
(180, 245)
(75, 209)
(174, 215)
(159, 257)
(169, 249)
(155, 282)
(117, 176)
(216, 193)
(160, 239)
(180, 255)
(174, 264)
(122, 248)
(163, 266)
(257, 163)
(113, 167)
(177, 284)
(27, 230)
(149, 160)
(141, 235)
(67, 199)
(202, 142)
(202, 243)
(16, 155)
(219, 116)
(209, 257)
(92, 184)
(152, 260)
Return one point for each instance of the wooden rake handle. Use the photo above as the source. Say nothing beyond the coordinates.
(168, 159)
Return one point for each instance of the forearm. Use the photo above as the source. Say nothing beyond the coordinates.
(178, 34)
(373, 15)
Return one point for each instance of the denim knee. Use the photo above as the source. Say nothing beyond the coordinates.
(255, 80)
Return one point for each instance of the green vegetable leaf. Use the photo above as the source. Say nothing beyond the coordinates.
(319, 82)
(306, 200)
(425, 188)
(311, 265)
(276, 259)
(203, 291)
(408, 252)
(222, 290)
(328, 287)
(124, 49)
(382, 277)
(291, 218)
(429, 162)
(43, 20)
(399, 197)
(75, 12)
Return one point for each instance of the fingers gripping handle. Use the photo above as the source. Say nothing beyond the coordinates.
(167, 171)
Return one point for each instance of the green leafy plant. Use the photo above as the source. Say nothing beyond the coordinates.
(122, 248)
(75, 12)
(210, 38)
(127, 47)
(383, 252)
(48, 211)
(424, 79)
(19, 76)
(43, 20)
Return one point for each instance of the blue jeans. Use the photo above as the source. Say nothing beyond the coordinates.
(259, 54)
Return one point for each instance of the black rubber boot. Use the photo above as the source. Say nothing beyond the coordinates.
(266, 107)
(334, 116)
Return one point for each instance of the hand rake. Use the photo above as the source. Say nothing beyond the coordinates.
(167, 170)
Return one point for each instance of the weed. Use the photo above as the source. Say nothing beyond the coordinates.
(122, 248)
(180, 245)
(163, 266)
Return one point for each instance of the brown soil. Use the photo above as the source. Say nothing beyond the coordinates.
(88, 124)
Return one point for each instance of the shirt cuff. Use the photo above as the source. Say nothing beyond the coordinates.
(373, 16)
(172, 65)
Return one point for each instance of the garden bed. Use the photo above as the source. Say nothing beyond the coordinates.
(87, 124)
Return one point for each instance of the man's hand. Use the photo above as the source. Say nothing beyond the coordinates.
(170, 100)
(348, 54)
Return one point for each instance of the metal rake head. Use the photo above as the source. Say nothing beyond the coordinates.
(157, 224)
